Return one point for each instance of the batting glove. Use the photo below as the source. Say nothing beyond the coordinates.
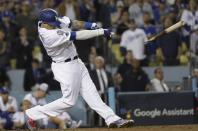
(94, 26)
(108, 33)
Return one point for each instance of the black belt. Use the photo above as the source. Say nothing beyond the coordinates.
(67, 60)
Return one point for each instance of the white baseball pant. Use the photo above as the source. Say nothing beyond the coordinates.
(74, 79)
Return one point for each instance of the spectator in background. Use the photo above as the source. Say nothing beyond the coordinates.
(194, 49)
(135, 79)
(21, 49)
(69, 8)
(48, 4)
(169, 45)
(33, 74)
(174, 13)
(150, 31)
(4, 56)
(90, 65)
(7, 103)
(4, 79)
(105, 14)
(117, 82)
(115, 16)
(190, 17)
(124, 23)
(37, 54)
(38, 97)
(134, 39)
(87, 10)
(102, 80)
(9, 27)
(159, 10)
(19, 117)
(8, 106)
(157, 83)
(92, 55)
(25, 19)
(136, 10)
(126, 65)
(184, 56)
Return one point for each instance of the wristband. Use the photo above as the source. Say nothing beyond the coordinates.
(88, 25)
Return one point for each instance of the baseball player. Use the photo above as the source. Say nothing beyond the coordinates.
(57, 38)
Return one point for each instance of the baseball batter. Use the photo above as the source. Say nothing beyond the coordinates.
(57, 38)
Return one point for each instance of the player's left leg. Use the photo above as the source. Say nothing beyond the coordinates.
(91, 96)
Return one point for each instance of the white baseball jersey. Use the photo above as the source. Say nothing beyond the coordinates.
(134, 41)
(34, 101)
(58, 47)
(11, 103)
(190, 18)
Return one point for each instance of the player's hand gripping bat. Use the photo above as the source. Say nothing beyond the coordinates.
(167, 30)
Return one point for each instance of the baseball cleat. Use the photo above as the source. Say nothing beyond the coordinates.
(31, 124)
(121, 123)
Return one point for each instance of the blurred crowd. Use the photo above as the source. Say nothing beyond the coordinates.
(133, 21)
(20, 44)
(12, 113)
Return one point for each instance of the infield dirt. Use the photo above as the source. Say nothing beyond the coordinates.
(136, 128)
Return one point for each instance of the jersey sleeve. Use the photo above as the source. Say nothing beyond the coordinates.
(53, 38)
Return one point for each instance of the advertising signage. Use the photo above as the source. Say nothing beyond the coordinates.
(158, 108)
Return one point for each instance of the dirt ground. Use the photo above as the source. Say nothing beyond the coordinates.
(137, 128)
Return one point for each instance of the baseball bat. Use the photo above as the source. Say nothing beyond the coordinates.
(167, 30)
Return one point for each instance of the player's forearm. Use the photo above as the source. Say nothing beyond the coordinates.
(86, 34)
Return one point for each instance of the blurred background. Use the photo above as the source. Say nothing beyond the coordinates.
(153, 83)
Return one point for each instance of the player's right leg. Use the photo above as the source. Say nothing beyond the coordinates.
(91, 96)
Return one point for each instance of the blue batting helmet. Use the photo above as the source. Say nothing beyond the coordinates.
(49, 16)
